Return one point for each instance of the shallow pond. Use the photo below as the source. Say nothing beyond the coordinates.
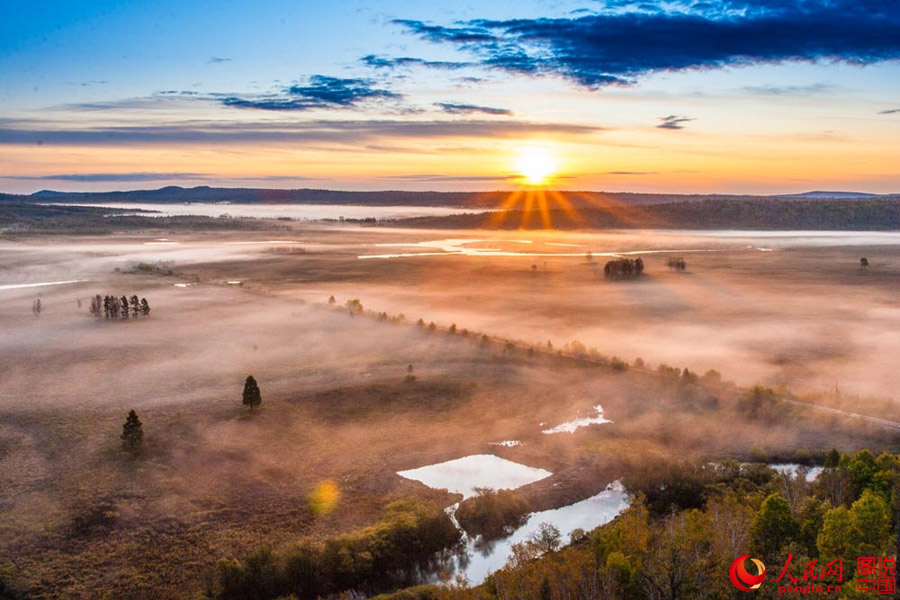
(571, 426)
(463, 475)
(618, 243)
(471, 247)
(20, 286)
(793, 468)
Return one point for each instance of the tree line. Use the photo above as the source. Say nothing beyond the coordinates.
(875, 214)
(114, 307)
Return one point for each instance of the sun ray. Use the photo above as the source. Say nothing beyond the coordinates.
(546, 219)
(527, 210)
(627, 213)
(499, 216)
(567, 207)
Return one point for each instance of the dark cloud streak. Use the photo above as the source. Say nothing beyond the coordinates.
(351, 133)
(319, 92)
(107, 177)
(383, 62)
(616, 47)
(673, 122)
(454, 108)
(136, 177)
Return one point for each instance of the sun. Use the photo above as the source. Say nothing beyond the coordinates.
(535, 164)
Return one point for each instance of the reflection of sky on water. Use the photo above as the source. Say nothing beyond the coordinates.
(463, 475)
(588, 514)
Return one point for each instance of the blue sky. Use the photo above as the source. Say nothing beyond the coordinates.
(749, 96)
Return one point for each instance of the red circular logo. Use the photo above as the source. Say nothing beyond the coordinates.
(742, 579)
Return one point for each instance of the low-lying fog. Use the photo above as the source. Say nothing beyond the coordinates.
(791, 308)
(303, 212)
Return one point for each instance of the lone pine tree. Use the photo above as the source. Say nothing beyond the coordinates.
(132, 433)
(252, 396)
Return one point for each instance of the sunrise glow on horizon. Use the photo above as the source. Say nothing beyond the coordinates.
(399, 95)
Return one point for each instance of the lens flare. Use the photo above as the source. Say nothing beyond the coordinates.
(324, 497)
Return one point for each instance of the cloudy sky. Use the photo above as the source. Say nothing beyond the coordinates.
(747, 96)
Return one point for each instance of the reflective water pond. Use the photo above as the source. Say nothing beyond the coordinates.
(793, 469)
(463, 475)
(483, 559)
(20, 286)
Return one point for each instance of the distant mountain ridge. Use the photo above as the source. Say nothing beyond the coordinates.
(819, 194)
(465, 200)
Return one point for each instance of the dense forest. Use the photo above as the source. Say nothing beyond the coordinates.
(880, 214)
(581, 200)
(485, 200)
(29, 217)
(868, 214)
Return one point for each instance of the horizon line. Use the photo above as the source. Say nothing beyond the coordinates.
(457, 192)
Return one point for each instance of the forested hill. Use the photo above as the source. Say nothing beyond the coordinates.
(473, 200)
(879, 214)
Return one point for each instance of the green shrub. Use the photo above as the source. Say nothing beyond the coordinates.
(492, 513)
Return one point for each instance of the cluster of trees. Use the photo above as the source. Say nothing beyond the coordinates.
(624, 268)
(492, 513)
(676, 264)
(761, 403)
(354, 306)
(396, 551)
(112, 307)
